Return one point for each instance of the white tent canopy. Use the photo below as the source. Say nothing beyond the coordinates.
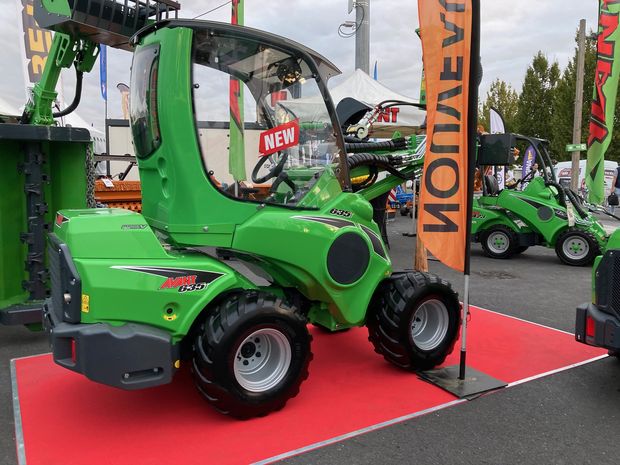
(362, 87)
(7, 109)
(98, 137)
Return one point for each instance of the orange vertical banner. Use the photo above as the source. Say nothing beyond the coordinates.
(446, 32)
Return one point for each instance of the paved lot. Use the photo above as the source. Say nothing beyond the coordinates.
(569, 418)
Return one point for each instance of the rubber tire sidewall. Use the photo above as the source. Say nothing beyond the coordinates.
(425, 360)
(233, 398)
(593, 251)
(512, 245)
(389, 322)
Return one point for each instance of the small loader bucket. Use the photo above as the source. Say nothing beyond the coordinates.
(109, 22)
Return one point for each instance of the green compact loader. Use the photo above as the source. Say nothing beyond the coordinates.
(536, 211)
(242, 241)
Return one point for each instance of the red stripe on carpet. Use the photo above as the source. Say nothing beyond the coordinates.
(68, 420)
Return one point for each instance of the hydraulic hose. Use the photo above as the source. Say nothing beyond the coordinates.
(573, 199)
(563, 193)
(374, 160)
(390, 145)
(76, 99)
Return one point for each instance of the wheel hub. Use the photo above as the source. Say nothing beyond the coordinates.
(429, 324)
(498, 242)
(248, 349)
(262, 360)
(576, 248)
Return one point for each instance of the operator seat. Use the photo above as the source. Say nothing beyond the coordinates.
(491, 184)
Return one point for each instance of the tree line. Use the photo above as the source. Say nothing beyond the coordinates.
(545, 105)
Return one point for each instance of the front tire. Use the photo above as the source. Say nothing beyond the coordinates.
(499, 242)
(251, 355)
(577, 248)
(414, 320)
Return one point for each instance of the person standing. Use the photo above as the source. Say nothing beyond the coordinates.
(616, 187)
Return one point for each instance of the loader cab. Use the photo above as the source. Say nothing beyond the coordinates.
(227, 117)
(266, 132)
(498, 151)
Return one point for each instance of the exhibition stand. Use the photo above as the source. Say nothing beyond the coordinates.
(62, 418)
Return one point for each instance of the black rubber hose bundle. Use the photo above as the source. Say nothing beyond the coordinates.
(375, 161)
(390, 145)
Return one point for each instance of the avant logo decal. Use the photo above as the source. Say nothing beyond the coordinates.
(177, 278)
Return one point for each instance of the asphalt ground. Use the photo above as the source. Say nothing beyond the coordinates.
(572, 417)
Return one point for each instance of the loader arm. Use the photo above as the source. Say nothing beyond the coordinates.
(80, 28)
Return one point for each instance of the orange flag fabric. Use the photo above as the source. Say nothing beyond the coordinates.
(446, 31)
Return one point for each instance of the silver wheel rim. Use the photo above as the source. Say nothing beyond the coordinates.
(429, 325)
(498, 242)
(262, 360)
(575, 247)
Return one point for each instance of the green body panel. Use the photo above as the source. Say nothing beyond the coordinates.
(65, 169)
(519, 211)
(293, 250)
(12, 224)
(118, 295)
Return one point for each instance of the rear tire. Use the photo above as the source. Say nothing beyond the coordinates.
(251, 355)
(499, 242)
(413, 320)
(576, 247)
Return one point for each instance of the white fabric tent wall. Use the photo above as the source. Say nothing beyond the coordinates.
(362, 87)
(7, 109)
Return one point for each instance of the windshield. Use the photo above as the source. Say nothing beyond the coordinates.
(264, 128)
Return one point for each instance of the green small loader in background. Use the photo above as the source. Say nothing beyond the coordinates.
(134, 295)
(508, 221)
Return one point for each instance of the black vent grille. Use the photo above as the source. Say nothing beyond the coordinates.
(607, 281)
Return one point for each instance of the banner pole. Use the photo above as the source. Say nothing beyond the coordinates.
(462, 361)
(475, 76)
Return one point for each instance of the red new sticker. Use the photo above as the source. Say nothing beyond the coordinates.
(279, 138)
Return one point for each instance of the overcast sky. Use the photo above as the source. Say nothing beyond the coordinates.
(512, 32)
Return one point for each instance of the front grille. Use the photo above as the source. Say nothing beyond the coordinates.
(608, 282)
(65, 282)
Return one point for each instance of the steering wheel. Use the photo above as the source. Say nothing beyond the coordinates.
(527, 178)
(273, 172)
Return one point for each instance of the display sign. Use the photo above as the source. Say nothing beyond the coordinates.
(576, 147)
(279, 138)
(604, 99)
(37, 42)
(446, 32)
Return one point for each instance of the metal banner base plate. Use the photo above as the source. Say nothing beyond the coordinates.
(474, 384)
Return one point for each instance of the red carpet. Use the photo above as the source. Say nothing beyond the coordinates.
(68, 420)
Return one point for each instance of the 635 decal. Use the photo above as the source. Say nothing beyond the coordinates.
(183, 280)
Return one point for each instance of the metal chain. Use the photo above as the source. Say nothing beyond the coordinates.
(90, 178)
